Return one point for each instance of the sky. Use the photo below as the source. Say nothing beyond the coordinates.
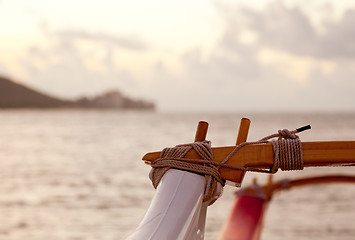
(218, 55)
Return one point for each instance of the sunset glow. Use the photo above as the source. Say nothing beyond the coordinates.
(155, 49)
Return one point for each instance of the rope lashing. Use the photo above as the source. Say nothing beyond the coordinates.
(287, 156)
(174, 158)
(287, 151)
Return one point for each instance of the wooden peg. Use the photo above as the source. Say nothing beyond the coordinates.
(243, 131)
(201, 131)
(237, 176)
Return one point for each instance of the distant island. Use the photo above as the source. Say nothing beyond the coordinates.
(15, 95)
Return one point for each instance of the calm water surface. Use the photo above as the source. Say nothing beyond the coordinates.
(77, 175)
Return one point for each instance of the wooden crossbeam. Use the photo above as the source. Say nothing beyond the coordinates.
(262, 156)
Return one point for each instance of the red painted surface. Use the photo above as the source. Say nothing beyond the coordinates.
(245, 219)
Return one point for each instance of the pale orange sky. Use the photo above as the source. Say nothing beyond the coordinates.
(219, 55)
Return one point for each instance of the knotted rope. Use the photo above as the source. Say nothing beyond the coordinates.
(287, 156)
(174, 158)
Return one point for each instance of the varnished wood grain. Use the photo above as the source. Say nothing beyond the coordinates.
(261, 155)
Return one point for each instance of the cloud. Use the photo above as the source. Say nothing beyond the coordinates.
(77, 62)
(307, 69)
(273, 59)
(290, 29)
(131, 42)
(128, 42)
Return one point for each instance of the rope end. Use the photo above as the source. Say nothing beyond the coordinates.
(304, 128)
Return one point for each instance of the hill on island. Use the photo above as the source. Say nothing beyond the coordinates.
(15, 95)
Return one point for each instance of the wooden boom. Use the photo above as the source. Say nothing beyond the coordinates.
(262, 156)
(271, 187)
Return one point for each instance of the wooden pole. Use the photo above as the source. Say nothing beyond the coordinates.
(270, 188)
(262, 155)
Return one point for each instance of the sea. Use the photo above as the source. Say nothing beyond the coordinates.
(78, 174)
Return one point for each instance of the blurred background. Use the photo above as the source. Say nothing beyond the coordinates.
(88, 87)
(200, 55)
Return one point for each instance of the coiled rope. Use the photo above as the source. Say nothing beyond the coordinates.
(287, 156)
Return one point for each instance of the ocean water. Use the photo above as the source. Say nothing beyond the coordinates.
(78, 175)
